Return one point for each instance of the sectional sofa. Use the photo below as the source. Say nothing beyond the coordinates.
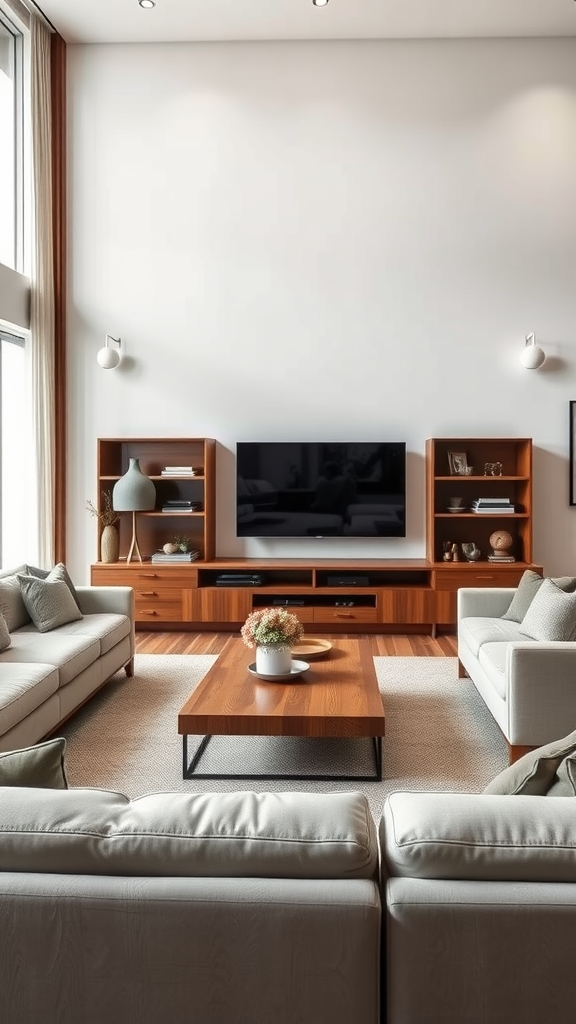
(518, 646)
(60, 644)
(234, 908)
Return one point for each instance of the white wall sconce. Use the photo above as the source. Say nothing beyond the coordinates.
(319, 3)
(108, 357)
(532, 356)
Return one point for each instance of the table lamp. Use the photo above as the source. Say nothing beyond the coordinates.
(134, 492)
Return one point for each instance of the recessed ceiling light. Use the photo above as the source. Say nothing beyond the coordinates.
(152, 3)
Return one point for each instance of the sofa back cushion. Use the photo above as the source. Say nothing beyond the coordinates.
(280, 835)
(479, 836)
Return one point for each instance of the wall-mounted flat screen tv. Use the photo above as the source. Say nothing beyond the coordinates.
(321, 489)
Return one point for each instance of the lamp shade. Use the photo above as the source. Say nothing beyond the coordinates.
(108, 358)
(134, 492)
(532, 356)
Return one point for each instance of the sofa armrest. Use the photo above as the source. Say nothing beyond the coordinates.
(479, 837)
(118, 600)
(483, 601)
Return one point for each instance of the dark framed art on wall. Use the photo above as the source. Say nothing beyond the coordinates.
(572, 429)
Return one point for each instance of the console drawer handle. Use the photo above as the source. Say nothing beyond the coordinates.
(148, 611)
(148, 575)
(343, 615)
(148, 593)
(486, 576)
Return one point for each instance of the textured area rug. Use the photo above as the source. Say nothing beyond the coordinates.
(439, 736)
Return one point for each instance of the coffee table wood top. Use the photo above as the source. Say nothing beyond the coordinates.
(337, 696)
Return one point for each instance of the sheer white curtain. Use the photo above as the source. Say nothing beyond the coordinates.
(42, 310)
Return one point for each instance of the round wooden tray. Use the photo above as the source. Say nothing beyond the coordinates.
(311, 648)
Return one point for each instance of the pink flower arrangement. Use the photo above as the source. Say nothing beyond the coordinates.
(271, 626)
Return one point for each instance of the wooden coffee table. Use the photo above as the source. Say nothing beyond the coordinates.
(338, 697)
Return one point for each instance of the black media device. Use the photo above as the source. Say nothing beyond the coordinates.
(240, 579)
(321, 489)
(347, 580)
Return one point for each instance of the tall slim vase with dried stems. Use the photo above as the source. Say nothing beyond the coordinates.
(109, 544)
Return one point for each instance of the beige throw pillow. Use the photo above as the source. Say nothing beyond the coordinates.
(37, 767)
(551, 615)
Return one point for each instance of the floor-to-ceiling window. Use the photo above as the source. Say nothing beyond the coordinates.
(11, 146)
(14, 479)
(15, 440)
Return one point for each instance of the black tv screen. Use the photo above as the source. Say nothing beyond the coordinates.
(317, 489)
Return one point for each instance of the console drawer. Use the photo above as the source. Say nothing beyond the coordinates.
(163, 605)
(481, 577)
(329, 614)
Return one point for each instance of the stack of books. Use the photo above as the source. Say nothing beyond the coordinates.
(493, 505)
(501, 558)
(179, 556)
(180, 505)
(179, 471)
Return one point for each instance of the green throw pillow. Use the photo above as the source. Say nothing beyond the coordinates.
(565, 781)
(535, 772)
(528, 587)
(5, 640)
(49, 601)
(62, 573)
(551, 615)
(37, 767)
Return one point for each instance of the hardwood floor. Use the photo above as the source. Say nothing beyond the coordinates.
(406, 645)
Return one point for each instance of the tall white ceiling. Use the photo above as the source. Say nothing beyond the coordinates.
(109, 21)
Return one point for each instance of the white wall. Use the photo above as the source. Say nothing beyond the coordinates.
(324, 241)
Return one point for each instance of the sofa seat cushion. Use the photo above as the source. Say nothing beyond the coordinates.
(109, 629)
(69, 654)
(479, 836)
(493, 660)
(479, 630)
(23, 688)
(237, 834)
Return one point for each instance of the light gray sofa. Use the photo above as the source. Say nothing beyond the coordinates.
(480, 895)
(45, 676)
(234, 908)
(528, 685)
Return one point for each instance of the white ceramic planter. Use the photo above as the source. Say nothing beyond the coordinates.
(273, 659)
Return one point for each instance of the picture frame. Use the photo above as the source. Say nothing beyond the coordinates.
(458, 463)
(572, 439)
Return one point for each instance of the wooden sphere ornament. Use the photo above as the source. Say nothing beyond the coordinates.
(501, 542)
